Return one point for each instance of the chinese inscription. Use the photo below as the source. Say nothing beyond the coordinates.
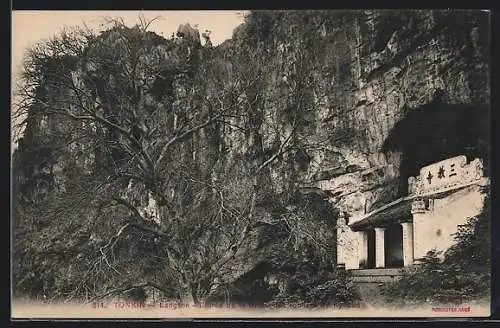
(441, 172)
(452, 170)
(445, 174)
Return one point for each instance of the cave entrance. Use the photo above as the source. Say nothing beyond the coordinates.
(438, 131)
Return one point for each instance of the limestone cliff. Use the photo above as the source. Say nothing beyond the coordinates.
(390, 91)
(378, 94)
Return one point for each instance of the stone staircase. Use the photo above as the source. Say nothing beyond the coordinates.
(369, 283)
(375, 276)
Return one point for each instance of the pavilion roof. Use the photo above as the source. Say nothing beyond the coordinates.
(393, 212)
(400, 209)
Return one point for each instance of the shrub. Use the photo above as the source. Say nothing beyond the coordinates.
(317, 288)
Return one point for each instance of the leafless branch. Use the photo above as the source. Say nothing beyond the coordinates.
(185, 134)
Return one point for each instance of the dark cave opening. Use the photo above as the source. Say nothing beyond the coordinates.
(438, 131)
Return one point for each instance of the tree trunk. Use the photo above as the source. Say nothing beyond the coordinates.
(255, 189)
(188, 297)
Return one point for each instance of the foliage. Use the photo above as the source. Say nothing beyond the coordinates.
(462, 274)
(311, 287)
(303, 259)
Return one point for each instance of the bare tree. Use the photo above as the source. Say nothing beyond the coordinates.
(129, 101)
(128, 92)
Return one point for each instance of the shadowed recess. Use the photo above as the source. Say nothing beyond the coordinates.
(438, 131)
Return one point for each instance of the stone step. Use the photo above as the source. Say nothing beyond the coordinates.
(377, 272)
(374, 279)
(376, 275)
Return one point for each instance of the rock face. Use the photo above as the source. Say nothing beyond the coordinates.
(378, 94)
(189, 33)
(371, 72)
(391, 92)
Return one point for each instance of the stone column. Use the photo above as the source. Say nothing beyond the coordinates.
(407, 243)
(379, 247)
(363, 249)
(420, 230)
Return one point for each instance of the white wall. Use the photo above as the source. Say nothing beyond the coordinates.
(435, 228)
(348, 247)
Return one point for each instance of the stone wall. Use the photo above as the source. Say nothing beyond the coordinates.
(348, 246)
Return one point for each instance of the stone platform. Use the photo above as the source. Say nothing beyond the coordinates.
(376, 275)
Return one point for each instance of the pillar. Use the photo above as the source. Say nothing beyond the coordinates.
(363, 249)
(421, 232)
(379, 247)
(407, 243)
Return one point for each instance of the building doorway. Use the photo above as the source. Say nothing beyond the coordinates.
(394, 246)
(370, 256)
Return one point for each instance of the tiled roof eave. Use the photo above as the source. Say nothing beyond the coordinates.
(391, 212)
(401, 207)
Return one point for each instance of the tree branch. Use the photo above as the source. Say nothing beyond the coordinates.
(137, 215)
(184, 135)
(280, 151)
